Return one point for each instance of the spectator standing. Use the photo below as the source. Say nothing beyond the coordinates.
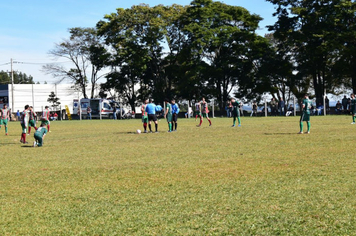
(114, 112)
(254, 109)
(18, 115)
(281, 107)
(344, 103)
(89, 113)
(273, 106)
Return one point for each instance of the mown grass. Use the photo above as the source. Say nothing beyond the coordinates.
(100, 178)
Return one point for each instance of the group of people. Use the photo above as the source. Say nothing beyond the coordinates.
(28, 119)
(149, 111)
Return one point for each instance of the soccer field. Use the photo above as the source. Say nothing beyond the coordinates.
(100, 178)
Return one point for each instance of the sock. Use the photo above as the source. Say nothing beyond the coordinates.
(5, 129)
(48, 127)
(176, 124)
(209, 121)
(24, 137)
(353, 119)
(239, 120)
(156, 126)
(145, 126)
(234, 121)
(301, 126)
(308, 125)
(29, 130)
(170, 126)
(149, 126)
(201, 121)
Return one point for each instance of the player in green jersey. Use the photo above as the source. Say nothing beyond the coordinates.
(144, 115)
(5, 114)
(306, 106)
(168, 115)
(32, 120)
(40, 135)
(353, 108)
(235, 112)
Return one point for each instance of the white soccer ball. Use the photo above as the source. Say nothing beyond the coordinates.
(138, 131)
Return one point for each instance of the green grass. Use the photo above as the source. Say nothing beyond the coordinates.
(100, 178)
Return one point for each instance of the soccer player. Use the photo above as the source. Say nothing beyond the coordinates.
(32, 120)
(24, 124)
(144, 115)
(353, 108)
(197, 111)
(45, 117)
(168, 115)
(175, 111)
(235, 111)
(40, 135)
(4, 117)
(306, 106)
(151, 112)
(204, 112)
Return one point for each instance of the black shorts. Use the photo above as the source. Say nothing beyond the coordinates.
(175, 117)
(152, 117)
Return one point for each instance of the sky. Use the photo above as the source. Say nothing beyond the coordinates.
(30, 29)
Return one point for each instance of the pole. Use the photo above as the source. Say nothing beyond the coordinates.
(12, 87)
(266, 108)
(324, 102)
(213, 108)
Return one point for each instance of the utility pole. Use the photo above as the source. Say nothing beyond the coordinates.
(12, 88)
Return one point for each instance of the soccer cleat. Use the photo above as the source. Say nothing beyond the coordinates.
(353, 123)
(233, 126)
(145, 131)
(156, 132)
(210, 125)
(198, 125)
(6, 134)
(28, 134)
(169, 131)
(25, 142)
(239, 126)
(308, 132)
(301, 132)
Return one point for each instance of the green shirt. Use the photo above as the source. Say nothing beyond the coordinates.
(169, 107)
(353, 104)
(307, 106)
(41, 131)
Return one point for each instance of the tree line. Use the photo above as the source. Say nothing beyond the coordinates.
(211, 49)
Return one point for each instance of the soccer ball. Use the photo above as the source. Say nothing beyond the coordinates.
(138, 131)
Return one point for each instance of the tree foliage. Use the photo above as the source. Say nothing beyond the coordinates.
(87, 55)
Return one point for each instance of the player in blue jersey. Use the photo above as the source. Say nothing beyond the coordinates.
(175, 112)
(151, 113)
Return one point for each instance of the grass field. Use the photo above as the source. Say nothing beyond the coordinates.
(100, 178)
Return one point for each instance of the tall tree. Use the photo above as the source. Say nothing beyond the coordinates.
(87, 55)
(308, 27)
(221, 35)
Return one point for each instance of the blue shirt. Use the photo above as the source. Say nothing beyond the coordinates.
(151, 109)
(175, 109)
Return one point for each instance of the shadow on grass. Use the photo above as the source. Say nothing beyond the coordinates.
(280, 133)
